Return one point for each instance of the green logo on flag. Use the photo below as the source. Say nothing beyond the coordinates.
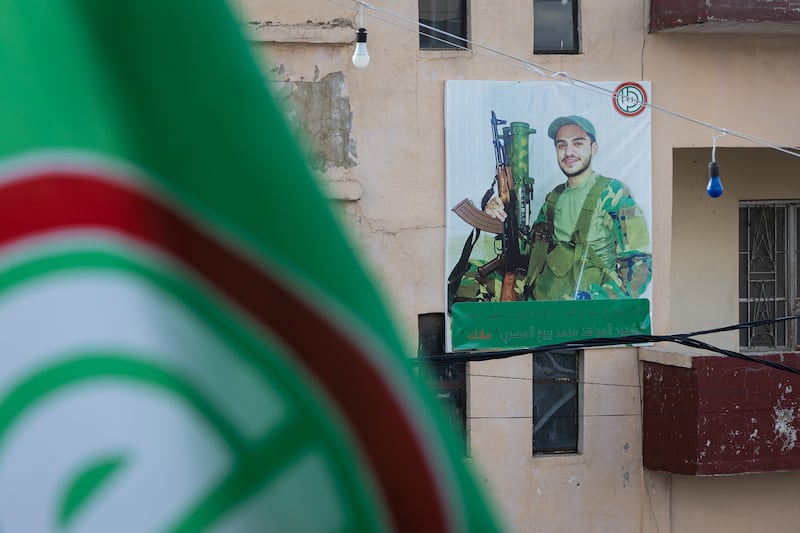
(155, 376)
(173, 358)
(139, 385)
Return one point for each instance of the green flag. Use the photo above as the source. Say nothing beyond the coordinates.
(188, 341)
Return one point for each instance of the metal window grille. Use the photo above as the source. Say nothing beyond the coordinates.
(769, 240)
(556, 404)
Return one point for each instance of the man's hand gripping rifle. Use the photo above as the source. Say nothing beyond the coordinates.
(515, 191)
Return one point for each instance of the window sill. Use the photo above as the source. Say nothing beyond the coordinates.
(443, 53)
(336, 32)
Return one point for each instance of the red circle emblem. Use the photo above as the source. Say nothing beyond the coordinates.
(630, 99)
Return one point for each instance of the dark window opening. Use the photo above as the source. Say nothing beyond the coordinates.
(556, 27)
(555, 402)
(447, 381)
(448, 16)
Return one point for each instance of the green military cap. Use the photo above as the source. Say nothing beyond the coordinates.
(587, 126)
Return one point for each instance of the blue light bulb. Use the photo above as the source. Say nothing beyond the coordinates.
(714, 188)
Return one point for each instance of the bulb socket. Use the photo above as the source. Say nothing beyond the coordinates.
(713, 169)
(361, 35)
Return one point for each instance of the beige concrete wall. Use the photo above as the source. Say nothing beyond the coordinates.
(735, 504)
(392, 201)
(601, 489)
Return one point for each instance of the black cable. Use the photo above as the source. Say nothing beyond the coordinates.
(686, 339)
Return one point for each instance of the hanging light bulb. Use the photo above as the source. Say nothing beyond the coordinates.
(361, 56)
(714, 188)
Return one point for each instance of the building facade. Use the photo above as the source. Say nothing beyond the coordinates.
(660, 444)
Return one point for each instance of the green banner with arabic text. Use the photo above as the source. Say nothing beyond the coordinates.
(513, 325)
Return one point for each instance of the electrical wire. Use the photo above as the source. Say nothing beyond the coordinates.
(561, 76)
(685, 339)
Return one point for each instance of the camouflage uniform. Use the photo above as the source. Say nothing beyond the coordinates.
(476, 288)
(600, 249)
(605, 253)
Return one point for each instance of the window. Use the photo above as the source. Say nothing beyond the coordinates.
(446, 15)
(769, 242)
(555, 27)
(555, 402)
(447, 381)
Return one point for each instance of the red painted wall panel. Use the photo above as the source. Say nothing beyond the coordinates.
(722, 416)
(668, 14)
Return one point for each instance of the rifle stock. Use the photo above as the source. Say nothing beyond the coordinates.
(507, 293)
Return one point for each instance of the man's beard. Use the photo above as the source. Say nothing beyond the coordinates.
(573, 173)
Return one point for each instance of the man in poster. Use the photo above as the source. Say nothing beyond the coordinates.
(590, 240)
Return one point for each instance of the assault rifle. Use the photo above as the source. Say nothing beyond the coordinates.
(515, 190)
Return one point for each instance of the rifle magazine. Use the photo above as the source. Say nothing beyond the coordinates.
(476, 218)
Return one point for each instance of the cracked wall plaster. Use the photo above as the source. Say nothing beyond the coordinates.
(320, 109)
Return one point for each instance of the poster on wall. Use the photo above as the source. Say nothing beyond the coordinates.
(549, 213)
